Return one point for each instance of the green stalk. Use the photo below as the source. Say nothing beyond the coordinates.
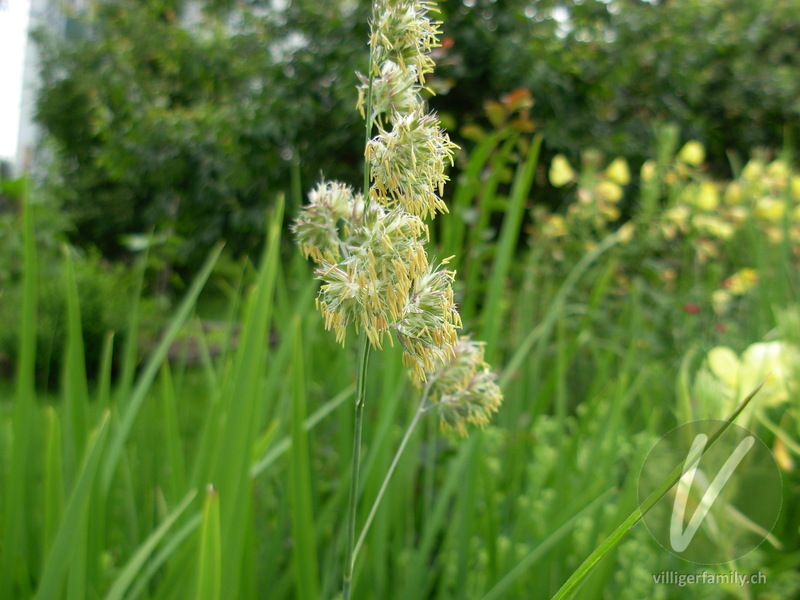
(363, 361)
(368, 131)
(412, 426)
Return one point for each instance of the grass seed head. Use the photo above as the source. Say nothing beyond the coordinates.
(463, 388)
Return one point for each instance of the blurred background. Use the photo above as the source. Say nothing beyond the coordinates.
(625, 216)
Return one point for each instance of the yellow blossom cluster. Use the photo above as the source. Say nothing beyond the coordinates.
(681, 213)
(596, 205)
(765, 195)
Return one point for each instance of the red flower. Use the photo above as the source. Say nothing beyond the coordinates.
(691, 308)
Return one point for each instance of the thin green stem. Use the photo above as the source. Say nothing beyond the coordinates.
(363, 362)
(368, 132)
(369, 117)
(390, 472)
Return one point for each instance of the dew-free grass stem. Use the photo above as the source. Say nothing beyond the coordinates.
(412, 426)
(369, 117)
(363, 362)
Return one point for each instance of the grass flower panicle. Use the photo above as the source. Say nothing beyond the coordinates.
(369, 288)
(408, 163)
(317, 227)
(428, 328)
(403, 32)
(463, 388)
(395, 91)
(370, 252)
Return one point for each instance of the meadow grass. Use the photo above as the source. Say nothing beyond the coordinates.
(225, 480)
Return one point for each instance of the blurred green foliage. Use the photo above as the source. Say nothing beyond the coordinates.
(603, 72)
(190, 125)
(188, 118)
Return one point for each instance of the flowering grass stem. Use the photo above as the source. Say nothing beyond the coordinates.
(363, 363)
(369, 117)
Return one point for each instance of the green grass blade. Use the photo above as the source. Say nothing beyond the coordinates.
(467, 188)
(104, 372)
(133, 568)
(284, 444)
(151, 369)
(65, 540)
(169, 548)
(542, 548)
(14, 563)
(53, 477)
(506, 247)
(79, 559)
(500, 161)
(209, 567)
(131, 344)
(243, 401)
(571, 585)
(304, 549)
(76, 389)
(419, 573)
(545, 327)
(172, 436)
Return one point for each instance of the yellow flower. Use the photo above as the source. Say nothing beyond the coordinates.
(713, 226)
(721, 301)
(753, 170)
(769, 209)
(618, 171)
(707, 197)
(779, 171)
(733, 193)
(771, 363)
(796, 188)
(678, 214)
(724, 363)
(706, 250)
(648, 171)
(742, 281)
(561, 172)
(738, 215)
(692, 153)
(555, 226)
(609, 191)
(625, 233)
(782, 456)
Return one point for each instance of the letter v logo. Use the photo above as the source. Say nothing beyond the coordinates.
(680, 538)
